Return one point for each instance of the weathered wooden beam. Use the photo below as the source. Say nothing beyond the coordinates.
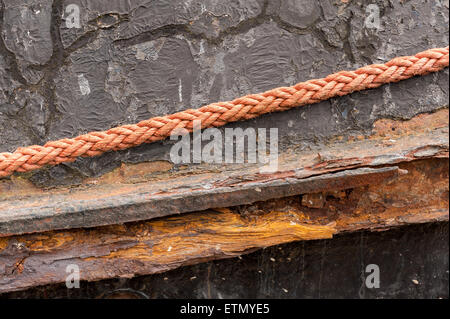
(139, 203)
(158, 245)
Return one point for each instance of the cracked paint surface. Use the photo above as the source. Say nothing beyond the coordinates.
(150, 58)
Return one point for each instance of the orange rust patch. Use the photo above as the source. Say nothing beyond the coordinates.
(131, 172)
(3, 243)
(421, 123)
(48, 241)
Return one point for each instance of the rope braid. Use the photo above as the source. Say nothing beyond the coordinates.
(217, 114)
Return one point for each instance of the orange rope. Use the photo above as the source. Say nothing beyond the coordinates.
(217, 114)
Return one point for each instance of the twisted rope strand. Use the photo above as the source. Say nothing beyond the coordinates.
(217, 114)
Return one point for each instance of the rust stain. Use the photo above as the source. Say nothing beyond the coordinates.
(422, 123)
(48, 241)
(3, 243)
(131, 173)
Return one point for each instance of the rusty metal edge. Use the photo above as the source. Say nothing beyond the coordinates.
(140, 205)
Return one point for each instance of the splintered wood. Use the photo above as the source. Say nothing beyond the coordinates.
(162, 244)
